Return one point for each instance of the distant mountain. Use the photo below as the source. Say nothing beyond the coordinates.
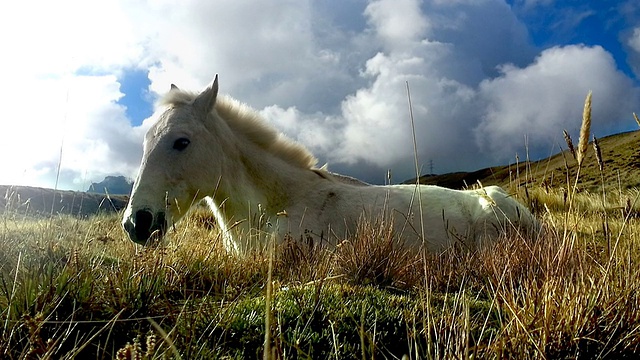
(620, 156)
(112, 185)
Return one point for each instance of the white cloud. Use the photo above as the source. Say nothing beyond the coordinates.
(319, 132)
(634, 40)
(371, 129)
(53, 101)
(547, 96)
(443, 56)
(398, 23)
(377, 120)
(248, 39)
(335, 83)
(96, 136)
(56, 37)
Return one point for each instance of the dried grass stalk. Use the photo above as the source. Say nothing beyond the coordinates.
(636, 117)
(567, 139)
(585, 130)
(596, 149)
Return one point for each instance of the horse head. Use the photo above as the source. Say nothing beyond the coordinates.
(172, 176)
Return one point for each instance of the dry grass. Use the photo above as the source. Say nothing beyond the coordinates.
(87, 290)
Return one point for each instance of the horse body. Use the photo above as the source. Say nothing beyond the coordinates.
(333, 210)
(258, 182)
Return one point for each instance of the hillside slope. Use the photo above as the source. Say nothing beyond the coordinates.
(620, 153)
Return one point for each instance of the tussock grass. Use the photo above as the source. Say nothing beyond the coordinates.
(376, 256)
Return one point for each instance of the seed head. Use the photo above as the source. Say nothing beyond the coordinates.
(567, 139)
(585, 130)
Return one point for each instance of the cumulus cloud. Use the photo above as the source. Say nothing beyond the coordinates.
(55, 103)
(82, 125)
(398, 23)
(265, 52)
(475, 101)
(319, 132)
(443, 55)
(541, 99)
(334, 82)
(426, 46)
(260, 38)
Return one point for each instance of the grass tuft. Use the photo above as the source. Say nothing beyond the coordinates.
(376, 256)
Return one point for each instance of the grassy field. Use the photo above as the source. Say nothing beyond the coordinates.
(72, 287)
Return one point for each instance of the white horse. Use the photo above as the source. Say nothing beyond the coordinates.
(252, 176)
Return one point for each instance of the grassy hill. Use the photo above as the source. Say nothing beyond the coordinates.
(621, 158)
(27, 200)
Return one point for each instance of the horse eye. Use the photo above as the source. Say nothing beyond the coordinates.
(181, 144)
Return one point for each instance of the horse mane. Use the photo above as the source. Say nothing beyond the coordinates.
(244, 120)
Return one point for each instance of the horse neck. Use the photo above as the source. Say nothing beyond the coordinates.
(254, 180)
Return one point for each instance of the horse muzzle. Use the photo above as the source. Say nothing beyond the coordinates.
(143, 227)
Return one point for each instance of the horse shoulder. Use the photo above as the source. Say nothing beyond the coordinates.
(315, 203)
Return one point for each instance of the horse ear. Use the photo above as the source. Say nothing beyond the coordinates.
(173, 87)
(207, 99)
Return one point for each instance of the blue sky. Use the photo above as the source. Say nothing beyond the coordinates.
(486, 76)
(134, 85)
(604, 23)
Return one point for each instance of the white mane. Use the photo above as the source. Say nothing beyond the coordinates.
(243, 119)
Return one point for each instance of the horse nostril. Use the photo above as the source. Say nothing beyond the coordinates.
(143, 222)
